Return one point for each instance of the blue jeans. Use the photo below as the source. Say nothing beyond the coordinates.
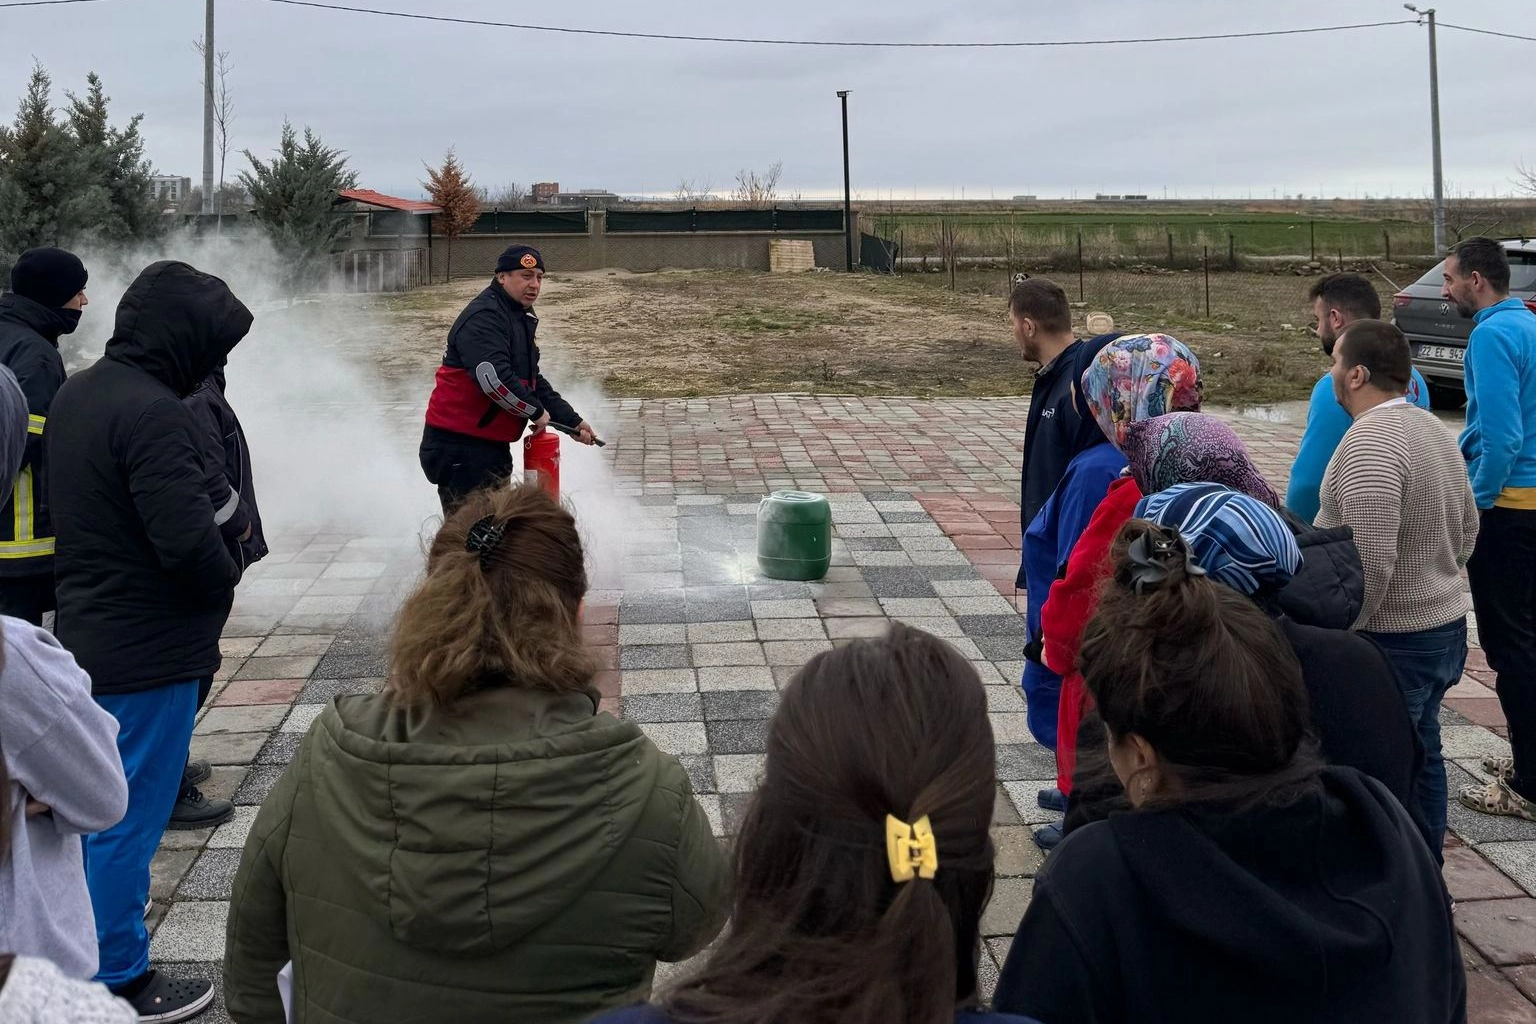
(154, 729)
(1427, 664)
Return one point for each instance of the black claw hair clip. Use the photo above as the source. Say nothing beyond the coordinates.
(1153, 555)
(484, 536)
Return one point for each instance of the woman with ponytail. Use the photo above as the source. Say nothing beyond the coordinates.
(1247, 881)
(865, 857)
(477, 843)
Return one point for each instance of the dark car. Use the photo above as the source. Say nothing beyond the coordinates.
(1438, 333)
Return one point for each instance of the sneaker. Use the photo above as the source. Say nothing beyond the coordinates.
(1048, 837)
(195, 774)
(1498, 798)
(1051, 800)
(193, 810)
(164, 1000)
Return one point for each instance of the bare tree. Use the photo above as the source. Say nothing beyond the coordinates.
(1469, 215)
(758, 190)
(503, 196)
(690, 191)
(946, 236)
(223, 117)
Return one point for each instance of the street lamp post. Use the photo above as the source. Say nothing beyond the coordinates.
(842, 94)
(1434, 127)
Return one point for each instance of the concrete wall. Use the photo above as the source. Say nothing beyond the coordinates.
(475, 255)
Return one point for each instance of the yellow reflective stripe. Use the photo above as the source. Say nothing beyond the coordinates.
(35, 423)
(26, 549)
(21, 501)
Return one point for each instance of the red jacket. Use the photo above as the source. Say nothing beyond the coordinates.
(1070, 604)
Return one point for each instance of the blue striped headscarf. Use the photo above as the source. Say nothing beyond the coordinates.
(1239, 541)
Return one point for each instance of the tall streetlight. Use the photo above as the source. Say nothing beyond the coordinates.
(1434, 126)
(842, 94)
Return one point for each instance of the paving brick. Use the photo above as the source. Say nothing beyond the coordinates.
(658, 681)
(1006, 908)
(1469, 876)
(211, 878)
(259, 691)
(1503, 931)
(663, 707)
(1017, 853)
(295, 667)
(847, 629)
(794, 652)
(323, 691)
(738, 773)
(192, 932)
(1517, 860)
(228, 748)
(736, 677)
(254, 718)
(1493, 999)
(728, 705)
(744, 736)
(717, 655)
(166, 871)
(657, 656)
(259, 781)
(678, 737)
(720, 632)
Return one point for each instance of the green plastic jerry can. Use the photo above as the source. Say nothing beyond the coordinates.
(794, 536)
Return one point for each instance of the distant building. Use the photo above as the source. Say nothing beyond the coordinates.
(545, 191)
(1025, 199)
(1101, 198)
(595, 198)
(170, 188)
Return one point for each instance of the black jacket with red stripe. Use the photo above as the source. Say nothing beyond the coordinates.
(489, 385)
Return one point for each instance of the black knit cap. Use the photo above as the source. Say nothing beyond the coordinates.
(519, 257)
(49, 277)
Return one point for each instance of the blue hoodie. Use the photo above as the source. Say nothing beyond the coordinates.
(1499, 443)
(1327, 423)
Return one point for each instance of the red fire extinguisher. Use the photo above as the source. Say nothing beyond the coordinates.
(541, 461)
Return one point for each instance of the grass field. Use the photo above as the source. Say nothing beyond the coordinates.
(1140, 232)
(690, 333)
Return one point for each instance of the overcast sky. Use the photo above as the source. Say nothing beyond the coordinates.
(1337, 114)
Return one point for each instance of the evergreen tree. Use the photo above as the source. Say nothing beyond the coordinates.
(450, 189)
(46, 195)
(115, 164)
(293, 196)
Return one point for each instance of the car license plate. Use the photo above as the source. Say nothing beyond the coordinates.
(1444, 353)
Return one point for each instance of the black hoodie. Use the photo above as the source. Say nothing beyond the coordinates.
(1327, 911)
(145, 582)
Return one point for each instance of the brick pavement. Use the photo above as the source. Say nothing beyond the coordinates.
(696, 645)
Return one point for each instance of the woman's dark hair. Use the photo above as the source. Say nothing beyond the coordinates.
(1202, 674)
(820, 932)
(499, 605)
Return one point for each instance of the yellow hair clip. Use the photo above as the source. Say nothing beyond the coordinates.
(911, 849)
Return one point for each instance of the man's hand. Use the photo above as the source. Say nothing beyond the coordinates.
(585, 434)
(539, 423)
(247, 534)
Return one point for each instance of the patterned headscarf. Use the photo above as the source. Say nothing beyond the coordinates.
(1239, 541)
(1139, 376)
(1192, 448)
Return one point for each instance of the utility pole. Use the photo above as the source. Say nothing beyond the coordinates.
(842, 94)
(1428, 17)
(208, 109)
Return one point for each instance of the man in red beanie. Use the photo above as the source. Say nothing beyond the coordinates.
(489, 387)
(46, 297)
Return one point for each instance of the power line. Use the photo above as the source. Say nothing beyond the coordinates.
(614, 33)
(46, 3)
(1488, 32)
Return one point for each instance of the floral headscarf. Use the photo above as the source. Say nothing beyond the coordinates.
(1137, 377)
(1192, 448)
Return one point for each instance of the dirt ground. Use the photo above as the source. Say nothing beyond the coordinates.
(691, 333)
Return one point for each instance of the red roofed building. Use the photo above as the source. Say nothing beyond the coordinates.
(368, 197)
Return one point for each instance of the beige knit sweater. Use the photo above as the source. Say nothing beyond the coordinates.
(1399, 481)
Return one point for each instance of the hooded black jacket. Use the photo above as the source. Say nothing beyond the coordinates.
(29, 347)
(1327, 911)
(145, 582)
(231, 485)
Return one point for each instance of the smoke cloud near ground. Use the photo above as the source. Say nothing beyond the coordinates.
(333, 443)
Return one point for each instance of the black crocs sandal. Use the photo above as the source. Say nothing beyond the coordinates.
(166, 1000)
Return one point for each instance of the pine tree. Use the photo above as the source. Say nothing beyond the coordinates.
(114, 162)
(294, 195)
(46, 195)
(450, 189)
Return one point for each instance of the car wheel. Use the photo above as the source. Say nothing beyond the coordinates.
(1446, 397)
